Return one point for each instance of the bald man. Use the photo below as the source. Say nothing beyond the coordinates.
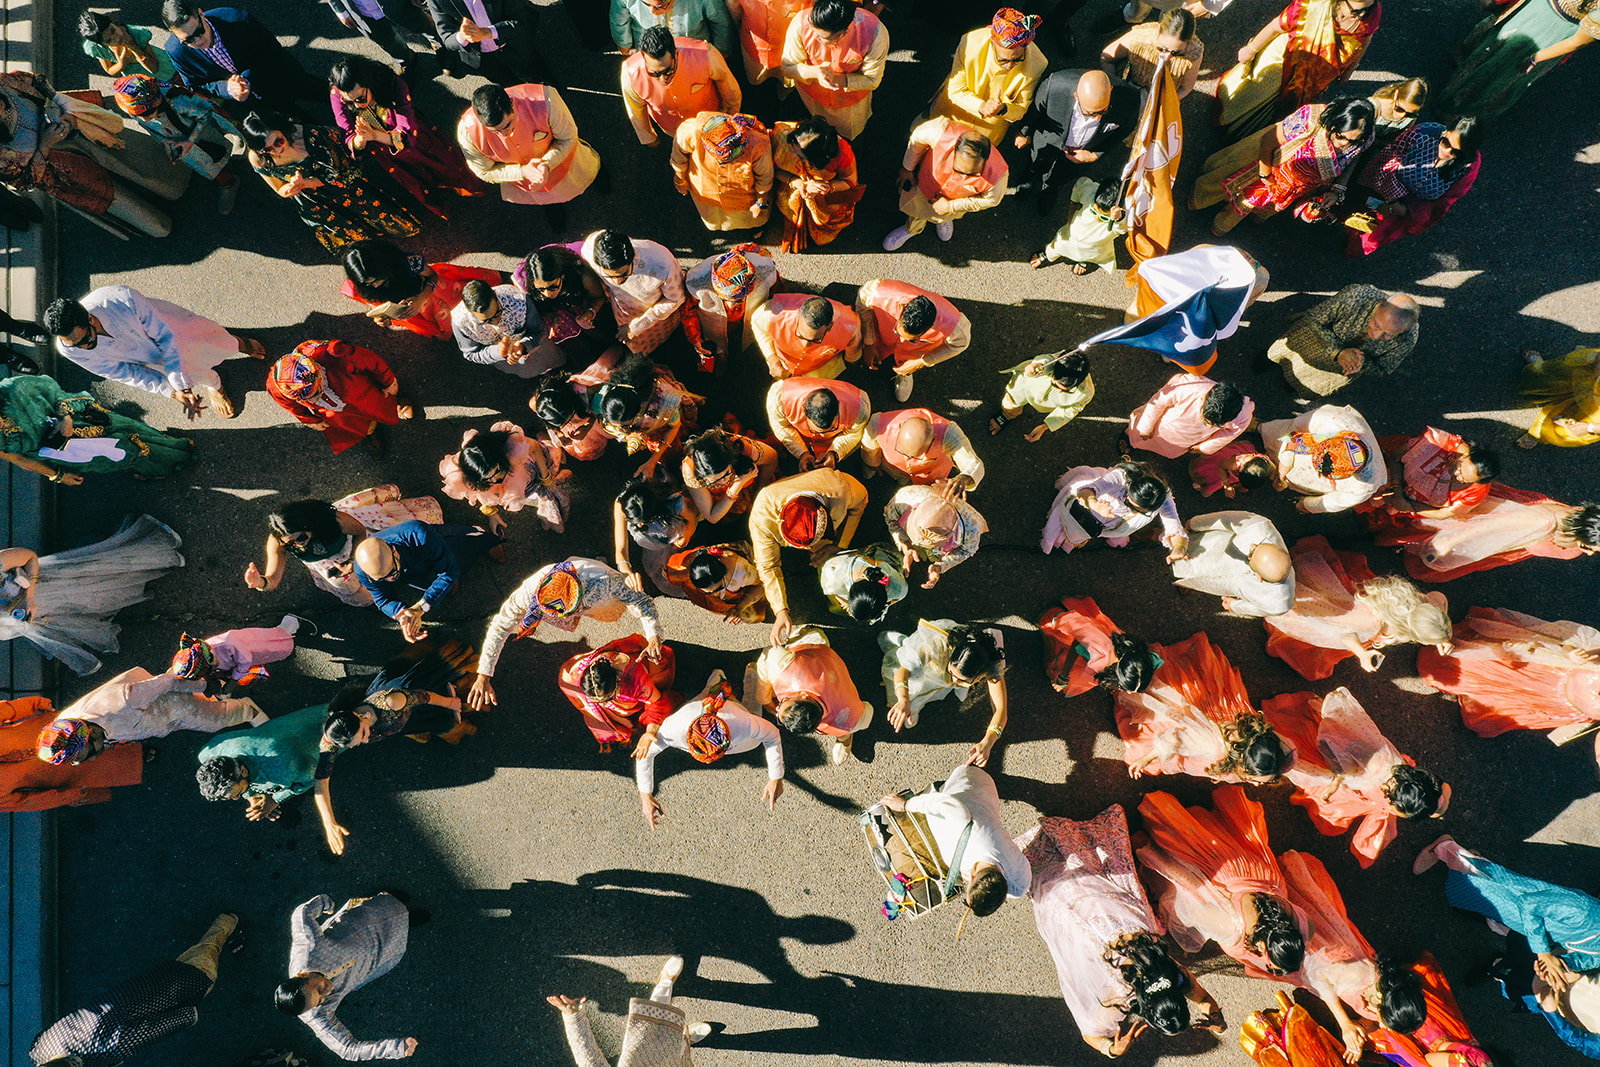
(1077, 117)
(1359, 330)
(918, 447)
(421, 557)
(1240, 557)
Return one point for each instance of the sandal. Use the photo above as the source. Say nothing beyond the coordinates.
(1532, 355)
(1040, 259)
(1080, 269)
(997, 422)
(1527, 440)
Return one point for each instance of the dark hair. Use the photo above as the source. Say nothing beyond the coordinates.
(217, 777)
(63, 316)
(1349, 115)
(1134, 669)
(1413, 792)
(1583, 525)
(1107, 195)
(972, 144)
(491, 104)
(1146, 490)
(626, 390)
(823, 148)
(600, 679)
(556, 402)
(290, 996)
(918, 315)
(644, 501)
(1277, 935)
(1487, 460)
(352, 696)
(817, 312)
(348, 72)
(1157, 985)
(706, 571)
(1222, 404)
(379, 271)
(340, 727)
(709, 455)
(1471, 130)
(987, 892)
(613, 250)
(822, 408)
(974, 653)
(552, 262)
(477, 296)
(869, 597)
(1256, 472)
(1401, 1005)
(1252, 747)
(1070, 370)
(91, 26)
(832, 16)
(1179, 23)
(483, 460)
(175, 13)
(800, 716)
(657, 43)
(316, 517)
(258, 127)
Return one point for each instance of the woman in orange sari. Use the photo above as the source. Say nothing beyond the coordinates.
(1444, 1033)
(619, 688)
(1296, 56)
(817, 182)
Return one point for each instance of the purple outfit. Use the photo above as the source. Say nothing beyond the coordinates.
(239, 651)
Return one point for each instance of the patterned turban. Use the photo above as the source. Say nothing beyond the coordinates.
(194, 659)
(1013, 29)
(64, 741)
(726, 135)
(1341, 456)
(298, 376)
(560, 593)
(708, 735)
(733, 276)
(139, 94)
(803, 521)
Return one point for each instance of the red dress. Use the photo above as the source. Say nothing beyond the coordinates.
(1079, 622)
(644, 689)
(1307, 638)
(1445, 1029)
(352, 400)
(1175, 725)
(1511, 526)
(1420, 467)
(428, 313)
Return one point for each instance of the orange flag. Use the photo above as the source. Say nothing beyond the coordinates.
(1153, 168)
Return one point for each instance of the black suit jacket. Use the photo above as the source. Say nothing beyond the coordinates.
(447, 16)
(1046, 123)
(275, 78)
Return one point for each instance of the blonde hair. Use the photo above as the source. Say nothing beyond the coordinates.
(1404, 614)
(1413, 91)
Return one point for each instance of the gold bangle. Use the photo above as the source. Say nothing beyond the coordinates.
(993, 730)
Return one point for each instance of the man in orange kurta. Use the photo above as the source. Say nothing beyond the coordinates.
(835, 54)
(670, 79)
(918, 447)
(818, 420)
(808, 689)
(724, 163)
(806, 336)
(913, 327)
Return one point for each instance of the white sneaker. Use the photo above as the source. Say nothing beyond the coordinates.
(672, 969)
(945, 230)
(697, 1032)
(902, 387)
(897, 237)
(289, 624)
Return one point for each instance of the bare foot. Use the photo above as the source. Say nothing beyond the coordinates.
(1429, 856)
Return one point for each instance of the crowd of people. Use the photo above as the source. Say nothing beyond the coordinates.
(606, 328)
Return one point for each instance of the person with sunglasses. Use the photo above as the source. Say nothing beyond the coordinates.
(225, 52)
(949, 171)
(1293, 60)
(570, 299)
(1415, 181)
(1133, 57)
(524, 140)
(420, 557)
(670, 79)
(994, 74)
(1076, 116)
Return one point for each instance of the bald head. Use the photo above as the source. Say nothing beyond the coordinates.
(374, 558)
(1271, 563)
(1393, 317)
(1094, 92)
(913, 437)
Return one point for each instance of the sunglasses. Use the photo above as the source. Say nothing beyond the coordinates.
(664, 72)
(278, 143)
(194, 35)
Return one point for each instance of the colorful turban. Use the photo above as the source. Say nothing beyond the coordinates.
(1013, 29)
(726, 135)
(804, 521)
(560, 593)
(64, 741)
(1343, 455)
(708, 735)
(733, 276)
(139, 94)
(299, 377)
(194, 659)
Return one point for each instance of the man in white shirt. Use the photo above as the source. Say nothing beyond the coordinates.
(644, 283)
(1329, 455)
(1242, 558)
(709, 727)
(992, 866)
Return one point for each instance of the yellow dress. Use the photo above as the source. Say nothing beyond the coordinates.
(1567, 388)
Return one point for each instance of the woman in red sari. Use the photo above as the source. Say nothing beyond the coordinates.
(1443, 1039)
(818, 187)
(618, 689)
(344, 391)
(1293, 59)
(1511, 525)
(1086, 650)
(1435, 475)
(1418, 176)
(402, 292)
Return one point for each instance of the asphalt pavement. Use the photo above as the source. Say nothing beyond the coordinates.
(527, 844)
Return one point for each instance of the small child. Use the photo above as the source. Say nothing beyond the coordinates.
(1237, 466)
(1057, 385)
(1089, 239)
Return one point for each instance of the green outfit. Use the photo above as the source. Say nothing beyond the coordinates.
(282, 754)
(1041, 393)
(165, 70)
(1489, 79)
(101, 439)
(352, 204)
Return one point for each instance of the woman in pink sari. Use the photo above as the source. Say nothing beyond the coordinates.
(1443, 1039)
(1341, 609)
(1435, 475)
(1347, 773)
(1117, 974)
(1086, 649)
(505, 470)
(1512, 671)
(1510, 526)
(618, 689)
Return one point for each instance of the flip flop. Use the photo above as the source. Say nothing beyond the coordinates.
(997, 422)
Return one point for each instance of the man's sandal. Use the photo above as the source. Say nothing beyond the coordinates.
(997, 422)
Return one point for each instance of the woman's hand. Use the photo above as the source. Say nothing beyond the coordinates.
(481, 695)
(1246, 54)
(978, 755)
(1355, 1039)
(1370, 659)
(900, 712)
(335, 835)
(567, 1005)
(69, 479)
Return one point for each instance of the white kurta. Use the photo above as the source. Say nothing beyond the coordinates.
(1219, 562)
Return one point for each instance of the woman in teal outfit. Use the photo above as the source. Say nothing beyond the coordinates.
(1509, 51)
(64, 435)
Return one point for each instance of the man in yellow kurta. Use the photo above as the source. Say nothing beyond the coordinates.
(523, 139)
(993, 76)
(724, 162)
